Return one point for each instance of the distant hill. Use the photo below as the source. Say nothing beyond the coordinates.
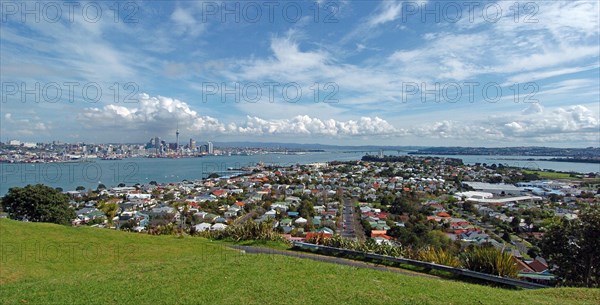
(511, 151)
(314, 146)
(51, 264)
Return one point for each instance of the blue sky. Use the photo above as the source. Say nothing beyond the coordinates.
(390, 72)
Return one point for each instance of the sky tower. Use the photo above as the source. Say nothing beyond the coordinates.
(177, 139)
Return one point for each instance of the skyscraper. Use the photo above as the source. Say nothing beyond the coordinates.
(156, 145)
(177, 139)
(192, 145)
(210, 148)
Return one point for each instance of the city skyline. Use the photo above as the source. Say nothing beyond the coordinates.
(421, 73)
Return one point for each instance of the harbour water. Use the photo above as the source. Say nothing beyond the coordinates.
(130, 171)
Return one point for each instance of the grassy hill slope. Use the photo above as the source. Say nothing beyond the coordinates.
(50, 264)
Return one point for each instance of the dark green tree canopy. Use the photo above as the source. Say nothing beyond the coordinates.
(38, 203)
(573, 247)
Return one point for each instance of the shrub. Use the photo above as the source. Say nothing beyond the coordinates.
(488, 259)
(250, 230)
(438, 256)
(370, 246)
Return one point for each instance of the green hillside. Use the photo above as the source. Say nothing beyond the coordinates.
(51, 264)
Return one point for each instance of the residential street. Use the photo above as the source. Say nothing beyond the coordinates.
(348, 220)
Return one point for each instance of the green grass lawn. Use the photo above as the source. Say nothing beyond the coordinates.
(50, 264)
(550, 175)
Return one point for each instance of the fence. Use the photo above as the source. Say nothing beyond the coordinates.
(416, 263)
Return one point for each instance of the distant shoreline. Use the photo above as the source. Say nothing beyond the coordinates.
(575, 155)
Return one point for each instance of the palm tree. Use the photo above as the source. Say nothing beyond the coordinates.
(110, 209)
(183, 213)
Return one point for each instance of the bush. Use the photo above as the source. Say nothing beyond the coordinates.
(488, 259)
(370, 246)
(250, 230)
(438, 256)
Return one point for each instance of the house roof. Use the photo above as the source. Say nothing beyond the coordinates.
(378, 233)
(443, 214)
(301, 220)
(538, 266)
(523, 267)
(310, 235)
(218, 192)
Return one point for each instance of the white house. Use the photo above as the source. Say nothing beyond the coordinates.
(202, 227)
(218, 227)
(300, 221)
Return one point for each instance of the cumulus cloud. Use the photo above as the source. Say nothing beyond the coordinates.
(574, 119)
(533, 124)
(160, 114)
(306, 125)
(28, 126)
(533, 109)
(152, 114)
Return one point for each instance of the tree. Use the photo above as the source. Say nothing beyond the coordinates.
(515, 223)
(111, 210)
(506, 236)
(38, 203)
(572, 246)
(80, 188)
(101, 187)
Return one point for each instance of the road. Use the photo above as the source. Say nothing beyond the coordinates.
(348, 220)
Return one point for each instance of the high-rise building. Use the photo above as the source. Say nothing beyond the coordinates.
(192, 145)
(210, 148)
(177, 139)
(156, 145)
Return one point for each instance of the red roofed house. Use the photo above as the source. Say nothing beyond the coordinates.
(375, 233)
(382, 215)
(538, 266)
(220, 193)
(443, 214)
(310, 235)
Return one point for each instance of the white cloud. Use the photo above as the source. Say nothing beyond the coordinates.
(386, 11)
(186, 23)
(533, 76)
(533, 124)
(306, 125)
(30, 125)
(161, 114)
(533, 109)
(548, 45)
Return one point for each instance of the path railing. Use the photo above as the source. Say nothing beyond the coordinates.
(416, 263)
